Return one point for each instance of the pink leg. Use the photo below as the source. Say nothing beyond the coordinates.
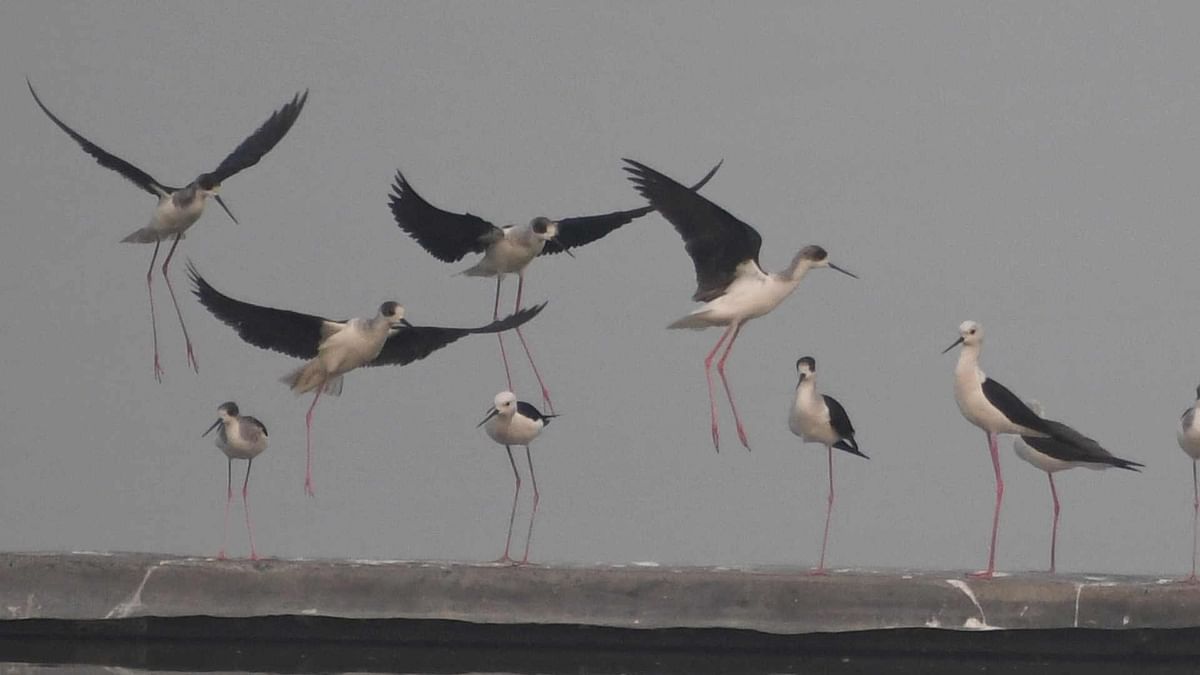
(545, 392)
(246, 508)
(820, 571)
(500, 336)
(513, 514)
(158, 370)
(228, 499)
(712, 401)
(1054, 529)
(991, 568)
(729, 393)
(191, 356)
(1195, 512)
(308, 481)
(536, 499)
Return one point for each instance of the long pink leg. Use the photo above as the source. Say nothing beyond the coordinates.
(158, 370)
(737, 328)
(820, 571)
(246, 509)
(228, 499)
(191, 355)
(712, 401)
(1053, 530)
(536, 498)
(545, 392)
(308, 481)
(1195, 512)
(513, 513)
(991, 568)
(500, 336)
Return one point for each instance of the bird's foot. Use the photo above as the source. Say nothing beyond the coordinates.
(1192, 579)
(982, 574)
(818, 572)
(221, 554)
(158, 369)
(254, 556)
(191, 357)
(308, 487)
(742, 436)
(716, 436)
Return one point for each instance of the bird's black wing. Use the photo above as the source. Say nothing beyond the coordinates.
(256, 422)
(574, 232)
(533, 413)
(716, 241)
(259, 143)
(1012, 407)
(413, 343)
(447, 236)
(103, 157)
(280, 330)
(1069, 445)
(840, 422)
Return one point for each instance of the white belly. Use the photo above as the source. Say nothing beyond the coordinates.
(1189, 441)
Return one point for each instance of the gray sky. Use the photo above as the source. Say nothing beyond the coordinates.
(1027, 165)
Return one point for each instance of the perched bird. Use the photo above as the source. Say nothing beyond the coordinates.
(179, 208)
(819, 418)
(334, 348)
(1189, 441)
(990, 406)
(1052, 455)
(511, 422)
(506, 250)
(729, 280)
(239, 437)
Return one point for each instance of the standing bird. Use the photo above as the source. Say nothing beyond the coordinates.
(334, 348)
(729, 280)
(511, 422)
(819, 418)
(990, 406)
(1189, 441)
(506, 250)
(179, 208)
(239, 437)
(1052, 455)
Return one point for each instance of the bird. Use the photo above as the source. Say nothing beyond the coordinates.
(511, 422)
(506, 250)
(239, 437)
(1052, 455)
(992, 407)
(333, 348)
(729, 280)
(179, 208)
(819, 418)
(1189, 441)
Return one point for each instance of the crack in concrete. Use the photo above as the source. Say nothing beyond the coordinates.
(124, 609)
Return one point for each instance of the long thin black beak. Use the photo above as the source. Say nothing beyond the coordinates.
(214, 426)
(226, 207)
(404, 322)
(491, 413)
(843, 270)
(957, 342)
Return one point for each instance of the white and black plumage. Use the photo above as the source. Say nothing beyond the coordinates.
(1053, 455)
(511, 422)
(239, 437)
(178, 208)
(1189, 441)
(333, 347)
(506, 250)
(819, 418)
(729, 280)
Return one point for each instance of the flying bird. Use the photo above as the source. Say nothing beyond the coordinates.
(506, 250)
(511, 422)
(333, 348)
(239, 437)
(729, 280)
(179, 207)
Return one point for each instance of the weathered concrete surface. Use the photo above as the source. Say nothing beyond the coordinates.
(91, 587)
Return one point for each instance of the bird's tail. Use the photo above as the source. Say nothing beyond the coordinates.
(697, 320)
(1126, 464)
(850, 446)
(145, 235)
(311, 375)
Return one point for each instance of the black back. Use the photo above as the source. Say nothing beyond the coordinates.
(840, 422)
(1013, 407)
(533, 413)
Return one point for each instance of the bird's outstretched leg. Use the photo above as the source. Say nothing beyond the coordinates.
(820, 571)
(191, 355)
(1195, 513)
(991, 568)
(246, 509)
(1054, 528)
(500, 335)
(308, 481)
(513, 514)
(228, 500)
(521, 336)
(533, 514)
(712, 401)
(158, 369)
(741, 430)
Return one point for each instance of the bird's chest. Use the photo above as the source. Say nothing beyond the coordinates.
(810, 420)
(514, 252)
(968, 393)
(350, 348)
(751, 297)
(178, 211)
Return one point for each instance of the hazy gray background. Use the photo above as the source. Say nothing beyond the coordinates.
(1031, 166)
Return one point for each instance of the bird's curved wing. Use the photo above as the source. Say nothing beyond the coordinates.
(255, 423)
(582, 230)
(280, 330)
(840, 421)
(447, 236)
(1012, 407)
(717, 242)
(259, 143)
(413, 343)
(106, 159)
(1069, 445)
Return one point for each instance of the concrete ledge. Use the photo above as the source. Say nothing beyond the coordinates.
(130, 596)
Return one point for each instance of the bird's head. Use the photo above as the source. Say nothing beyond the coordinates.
(394, 312)
(815, 256)
(225, 412)
(806, 367)
(970, 334)
(503, 405)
